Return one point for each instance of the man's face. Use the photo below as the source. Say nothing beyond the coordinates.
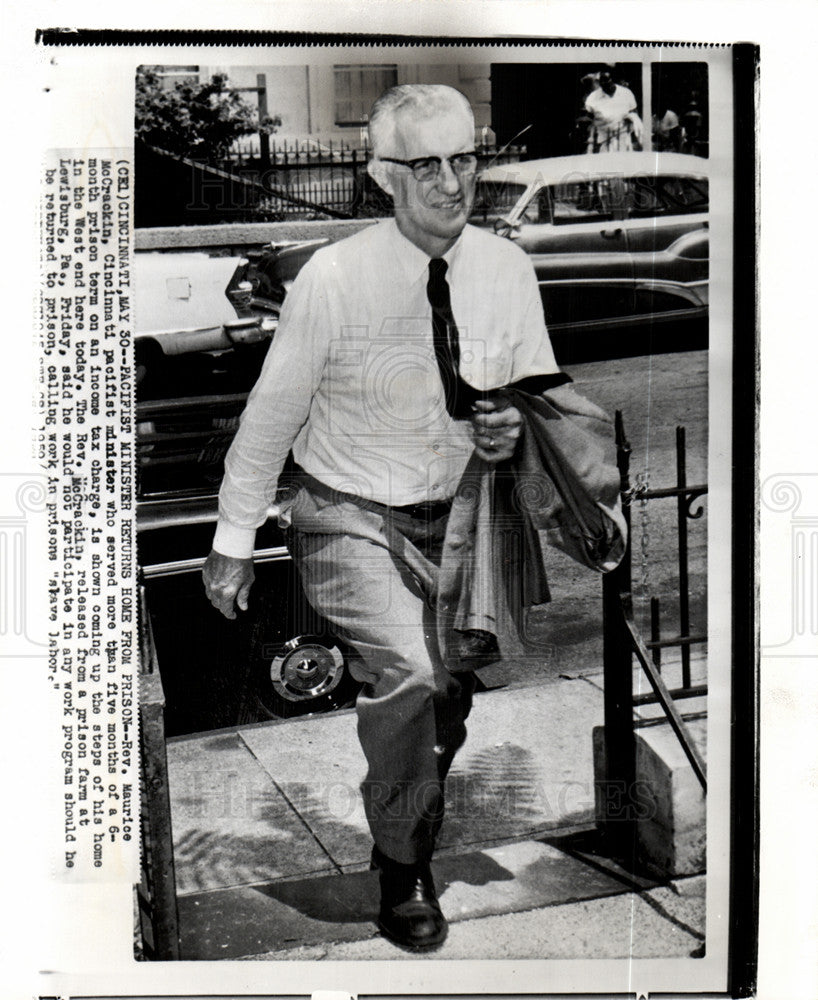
(606, 82)
(433, 212)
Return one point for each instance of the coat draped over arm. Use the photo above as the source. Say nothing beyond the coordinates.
(561, 486)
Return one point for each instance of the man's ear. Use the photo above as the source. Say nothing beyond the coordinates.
(379, 173)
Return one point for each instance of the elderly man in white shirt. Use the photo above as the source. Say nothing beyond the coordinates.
(381, 397)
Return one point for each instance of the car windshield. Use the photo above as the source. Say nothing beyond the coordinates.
(494, 199)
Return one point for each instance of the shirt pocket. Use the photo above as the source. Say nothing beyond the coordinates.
(484, 363)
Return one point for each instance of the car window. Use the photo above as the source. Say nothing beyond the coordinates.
(181, 444)
(537, 209)
(493, 199)
(665, 195)
(187, 412)
(582, 201)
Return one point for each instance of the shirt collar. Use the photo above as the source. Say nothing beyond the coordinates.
(413, 260)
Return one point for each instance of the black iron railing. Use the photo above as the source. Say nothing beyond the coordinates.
(623, 640)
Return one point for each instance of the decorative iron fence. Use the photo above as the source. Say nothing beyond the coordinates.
(301, 180)
(331, 177)
(622, 640)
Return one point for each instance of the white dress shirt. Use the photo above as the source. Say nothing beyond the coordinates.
(613, 119)
(351, 382)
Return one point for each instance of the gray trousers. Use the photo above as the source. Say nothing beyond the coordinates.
(358, 571)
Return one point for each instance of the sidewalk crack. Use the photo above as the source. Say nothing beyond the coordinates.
(289, 802)
(654, 904)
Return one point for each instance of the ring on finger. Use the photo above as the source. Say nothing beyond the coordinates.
(491, 442)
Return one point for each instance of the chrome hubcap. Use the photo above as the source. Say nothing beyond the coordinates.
(306, 669)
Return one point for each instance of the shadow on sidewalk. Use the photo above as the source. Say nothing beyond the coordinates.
(353, 898)
(251, 920)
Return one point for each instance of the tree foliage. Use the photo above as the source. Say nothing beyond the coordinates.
(199, 120)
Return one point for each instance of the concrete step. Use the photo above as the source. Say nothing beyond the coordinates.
(665, 922)
(325, 911)
(272, 846)
(270, 801)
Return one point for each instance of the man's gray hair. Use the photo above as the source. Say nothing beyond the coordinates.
(425, 100)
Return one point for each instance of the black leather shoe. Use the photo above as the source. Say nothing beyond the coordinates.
(410, 914)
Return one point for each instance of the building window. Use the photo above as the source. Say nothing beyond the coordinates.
(169, 76)
(357, 88)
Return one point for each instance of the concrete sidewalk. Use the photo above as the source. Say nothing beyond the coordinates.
(272, 847)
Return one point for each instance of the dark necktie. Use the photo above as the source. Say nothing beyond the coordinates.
(459, 394)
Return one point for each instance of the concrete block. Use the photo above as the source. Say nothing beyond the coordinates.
(672, 836)
(670, 808)
(623, 927)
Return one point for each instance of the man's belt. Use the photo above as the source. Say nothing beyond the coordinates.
(427, 510)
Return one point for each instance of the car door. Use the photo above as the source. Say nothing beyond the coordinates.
(574, 233)
(579, 215)
(662, 208)
(278, 659)
(666, 229)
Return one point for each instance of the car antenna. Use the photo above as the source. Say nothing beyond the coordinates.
(501, 151)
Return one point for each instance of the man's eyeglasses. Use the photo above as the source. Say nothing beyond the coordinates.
(426, 168)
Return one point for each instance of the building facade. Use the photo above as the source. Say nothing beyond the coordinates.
(330, 104)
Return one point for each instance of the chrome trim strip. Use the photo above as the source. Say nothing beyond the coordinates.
(636, 282)
(277, 554)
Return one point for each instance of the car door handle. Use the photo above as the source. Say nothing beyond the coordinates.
(611, 234)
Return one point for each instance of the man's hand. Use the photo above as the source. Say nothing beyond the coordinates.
(497, 427)
(227, 582)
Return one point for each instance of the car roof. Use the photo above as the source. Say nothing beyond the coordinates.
(557, 169)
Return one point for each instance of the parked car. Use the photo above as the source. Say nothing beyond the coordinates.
(619, 241)
(193, 303)
(201, 338)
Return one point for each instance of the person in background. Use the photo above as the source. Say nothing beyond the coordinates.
(692, 120)
(616, 124)
(668, 132)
